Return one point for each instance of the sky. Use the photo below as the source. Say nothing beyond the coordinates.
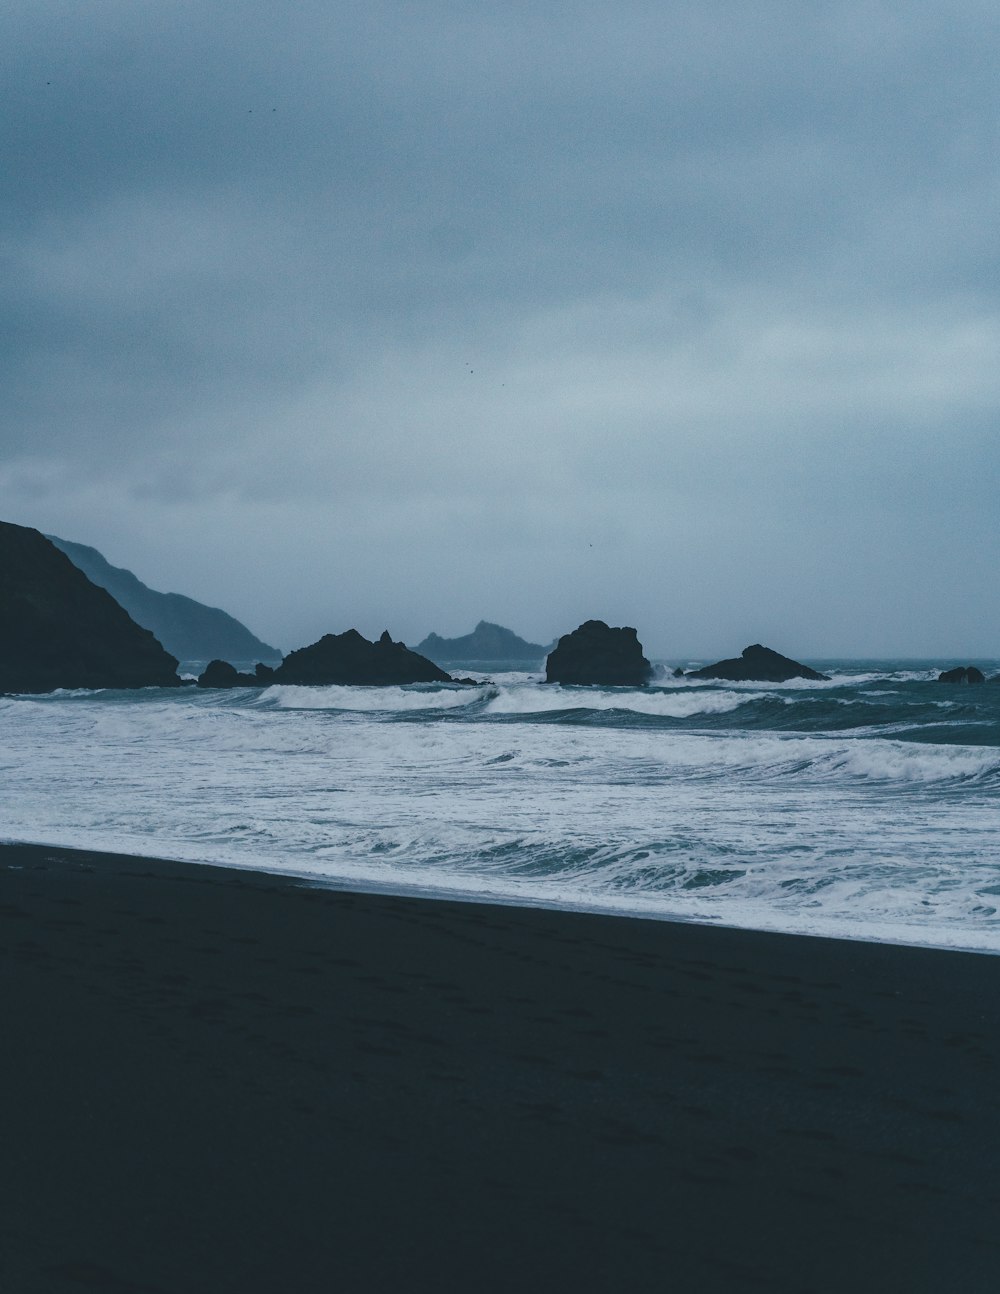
(405, 315)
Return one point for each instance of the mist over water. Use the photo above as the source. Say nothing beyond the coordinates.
(862, 807)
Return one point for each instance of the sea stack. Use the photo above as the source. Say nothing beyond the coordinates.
(61, 631)
(221, 674)
(349, 658)
(758, 664)
(597, 654)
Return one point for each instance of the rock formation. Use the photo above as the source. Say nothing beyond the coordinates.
(757, 664)
(595, 653)
(220, 673)
(350, 658)
(487, 642)
(187, 629)
(57, 629)
(963, 674)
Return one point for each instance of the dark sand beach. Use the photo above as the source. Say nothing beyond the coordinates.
(217, 1081)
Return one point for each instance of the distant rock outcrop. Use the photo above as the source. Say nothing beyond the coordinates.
(487, 642)
(350, 658)
(596, 653)
(188, 629)
(220, 673)
(57, 629)
(963, 674)
(758, 664)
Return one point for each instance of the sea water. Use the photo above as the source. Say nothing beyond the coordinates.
(866, 806)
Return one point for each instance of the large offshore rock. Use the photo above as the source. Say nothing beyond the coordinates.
(757, 664)
(188, 629)
(351, 658)
(487, 642)
(963, 674)
(596, 653)
(57, 629)
(222, 674)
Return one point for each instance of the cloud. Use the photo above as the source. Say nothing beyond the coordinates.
(710, 288)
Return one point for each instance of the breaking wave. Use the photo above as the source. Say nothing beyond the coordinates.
(286, 696)
(863, 807)
(526, 699)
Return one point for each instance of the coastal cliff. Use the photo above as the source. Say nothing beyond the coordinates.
(59, 630)
(187, 629)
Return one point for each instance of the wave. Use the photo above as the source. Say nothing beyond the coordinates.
(766, 807)
(910, 712)
(525, 699)
(777, 759)
(287, 696)
(63, 694)
(902, 762)
(553, 698)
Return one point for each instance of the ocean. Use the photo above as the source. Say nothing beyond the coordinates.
(865, 807)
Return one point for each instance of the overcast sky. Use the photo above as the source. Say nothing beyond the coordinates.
(403, 315)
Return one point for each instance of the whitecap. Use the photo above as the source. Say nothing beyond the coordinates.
(286, 696)
(552, 698)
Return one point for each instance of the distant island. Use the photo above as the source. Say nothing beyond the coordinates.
(487, 642)
(187, 629)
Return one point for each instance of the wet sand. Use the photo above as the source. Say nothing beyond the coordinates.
(216, 1081)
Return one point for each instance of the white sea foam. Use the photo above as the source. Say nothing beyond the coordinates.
(836, 679)
(897, 761)
(551, 698)
(831, 833)
(791, 685)
(287, 696)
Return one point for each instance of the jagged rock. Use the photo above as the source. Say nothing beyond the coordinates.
(187, 629)
(596, 653)
(757, 664)
(351, 658)
(487, 642)
(963, 674)
(57, 629)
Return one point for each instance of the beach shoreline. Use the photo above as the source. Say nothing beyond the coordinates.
(219, 1079)
(631, 908)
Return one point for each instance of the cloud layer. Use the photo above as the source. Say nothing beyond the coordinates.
(685, 316)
